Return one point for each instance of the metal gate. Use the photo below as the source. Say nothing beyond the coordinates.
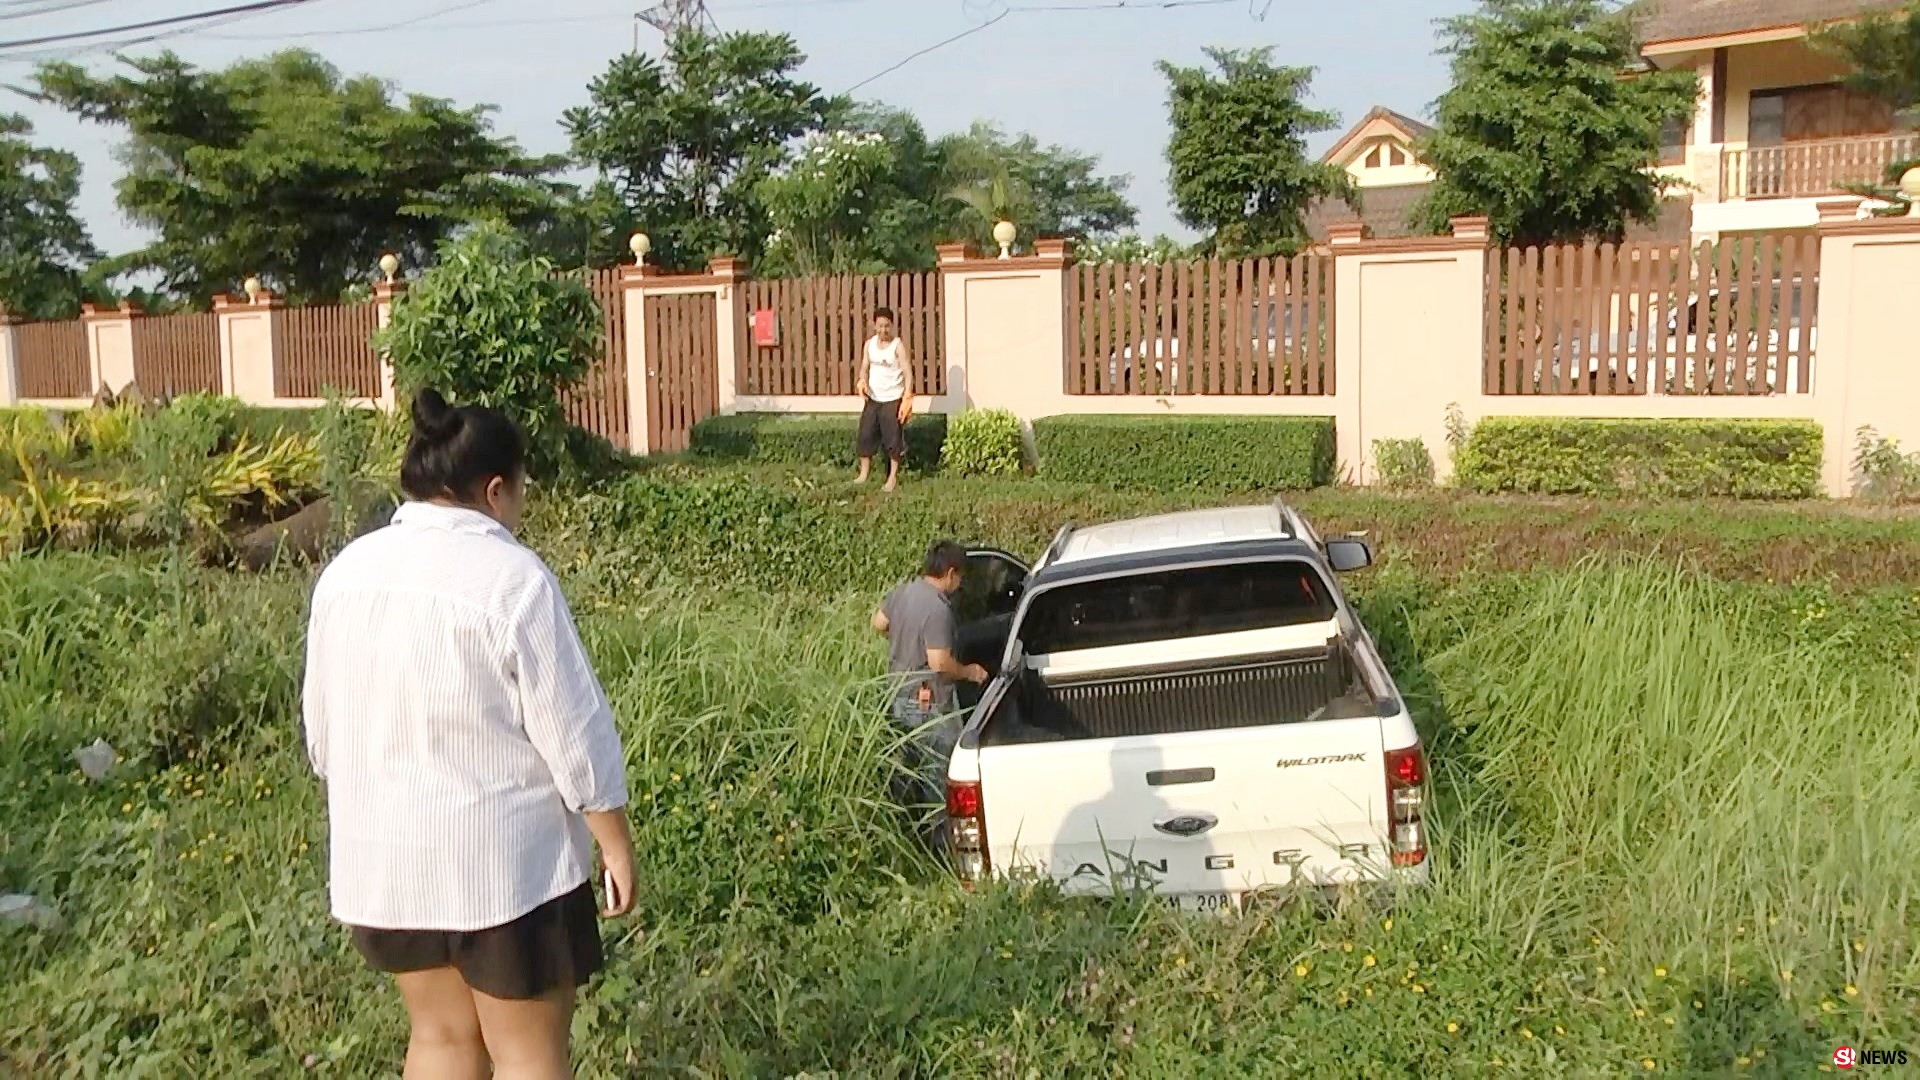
(683, 368)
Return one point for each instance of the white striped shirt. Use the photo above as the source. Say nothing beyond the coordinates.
(453, 714)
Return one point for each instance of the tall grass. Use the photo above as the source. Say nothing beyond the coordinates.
(1661, 795)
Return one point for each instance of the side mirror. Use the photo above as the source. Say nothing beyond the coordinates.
(1350, 553)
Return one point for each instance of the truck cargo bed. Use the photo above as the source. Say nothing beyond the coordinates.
(1248, 692)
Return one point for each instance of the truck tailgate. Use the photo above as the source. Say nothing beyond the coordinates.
(1191, 812)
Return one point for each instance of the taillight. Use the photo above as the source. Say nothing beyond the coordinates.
(1406, 800)
(967, 830)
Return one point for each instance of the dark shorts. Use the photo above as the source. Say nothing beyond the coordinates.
(880, 428)
(556, 944)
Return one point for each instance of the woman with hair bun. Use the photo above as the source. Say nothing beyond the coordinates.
(469, 758)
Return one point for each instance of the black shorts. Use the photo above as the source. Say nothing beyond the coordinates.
(556, 944)
(880, 427)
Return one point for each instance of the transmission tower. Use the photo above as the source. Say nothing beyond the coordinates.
(672, 16)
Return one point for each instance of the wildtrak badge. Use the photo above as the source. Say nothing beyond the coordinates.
(1329, 759)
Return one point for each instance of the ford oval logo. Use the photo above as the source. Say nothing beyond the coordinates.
(1187, 824)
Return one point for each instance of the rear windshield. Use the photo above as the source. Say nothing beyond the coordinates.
(1175, 604)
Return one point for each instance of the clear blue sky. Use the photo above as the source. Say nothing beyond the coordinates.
(1081, 78)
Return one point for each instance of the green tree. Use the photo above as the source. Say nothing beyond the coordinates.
(1884, 52)
(823, 203)
(1540, 132)
(877, 194)
(44, 248)
(686, 140)
(280, 167)
(1133, 248)
(491, 323)
(1238, 156)
(985, 175)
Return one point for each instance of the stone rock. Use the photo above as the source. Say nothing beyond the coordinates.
(304, 535)
(21, 908)
(96, 760)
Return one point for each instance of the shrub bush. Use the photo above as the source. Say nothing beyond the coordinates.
(1746, 459)
(808, 439)
(1404, 464)
(984, 442)
(1882, 471)
(492, 324)
(1217, 453)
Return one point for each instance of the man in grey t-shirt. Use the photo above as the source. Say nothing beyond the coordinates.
(918, 621)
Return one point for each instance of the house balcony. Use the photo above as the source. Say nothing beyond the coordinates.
(1818, 167)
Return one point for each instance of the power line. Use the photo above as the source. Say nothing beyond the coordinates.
(50, 9)
(967, 33)
(172, 20)
(403, 24)
(484, 24)
(1122, 5)
(1025, 9)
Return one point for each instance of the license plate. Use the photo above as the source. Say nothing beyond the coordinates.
(1206, 901)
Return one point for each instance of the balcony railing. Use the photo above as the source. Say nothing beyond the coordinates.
(1816, 167)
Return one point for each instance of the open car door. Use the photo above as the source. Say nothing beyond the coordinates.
(990, 590)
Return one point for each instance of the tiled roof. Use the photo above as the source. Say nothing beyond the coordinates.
(1414, 128)
(1385, 210)
(1671, 20)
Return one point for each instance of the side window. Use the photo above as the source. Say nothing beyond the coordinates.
(989, 586)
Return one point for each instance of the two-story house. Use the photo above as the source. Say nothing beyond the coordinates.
(1776, 131)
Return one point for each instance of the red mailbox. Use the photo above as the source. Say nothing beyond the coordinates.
(766, 328)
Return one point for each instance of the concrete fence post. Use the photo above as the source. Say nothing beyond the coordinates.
(640, 366)
(730, 307)
(249, 346)
(1867, 372)
(385, 294)
(9, 360)
(1005, 328)
(1409, 336)
(109, 346)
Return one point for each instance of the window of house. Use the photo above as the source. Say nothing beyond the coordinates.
(1767, 119)
(1373, 156)
(1673, 141)
(1803, 113)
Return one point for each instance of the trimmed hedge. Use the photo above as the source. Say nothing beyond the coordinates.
(1211, 453)
(808, 439)
(1742, 459)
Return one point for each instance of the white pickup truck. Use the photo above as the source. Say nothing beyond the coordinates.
(1187, 704)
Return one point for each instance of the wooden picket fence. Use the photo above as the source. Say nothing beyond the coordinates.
(54, 362)
(1737, 317)
(683, 368)
(327, 348)
(1251, 326)
(176, 354)
(599, 402)
(820, 324)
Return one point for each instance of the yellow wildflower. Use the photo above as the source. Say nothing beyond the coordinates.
(1649, 1064)
(1852, 990)
(1526, 1033)
(1300, 970)
(1659, 973)
(1453, 1027)
(1368, 960)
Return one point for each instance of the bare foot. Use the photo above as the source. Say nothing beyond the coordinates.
(893, 484)
(861, 479)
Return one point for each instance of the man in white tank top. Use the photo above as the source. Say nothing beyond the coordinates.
(885, 383)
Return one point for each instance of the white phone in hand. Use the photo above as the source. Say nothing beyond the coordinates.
(606, 887)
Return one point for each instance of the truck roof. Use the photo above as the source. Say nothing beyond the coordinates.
(1166, 532)
(1168, 540)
